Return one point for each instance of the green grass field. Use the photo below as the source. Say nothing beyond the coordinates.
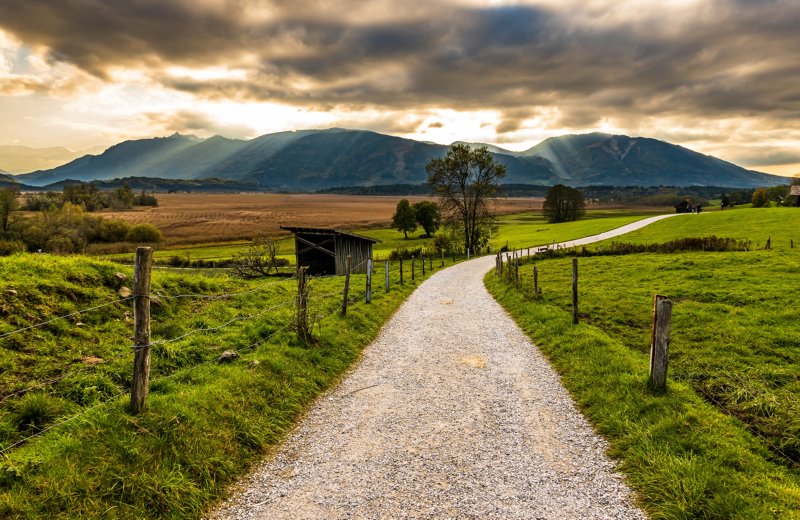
(724, 441)
(207, 421)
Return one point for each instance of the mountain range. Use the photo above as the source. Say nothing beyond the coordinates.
(309, 160)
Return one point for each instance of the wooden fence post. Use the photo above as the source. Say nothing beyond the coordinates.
(386, 269)
(301, 319)
(574, 291)
(536, 290)
(369, 280)
(516, 271)
(141, 331)
(346, 285)
(401, 270)
(412, 268)
(423, 266)
(769, 242)
(659, 346)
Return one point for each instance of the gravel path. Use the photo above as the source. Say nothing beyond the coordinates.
(451, 413)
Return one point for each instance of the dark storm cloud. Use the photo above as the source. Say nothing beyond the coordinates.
(719, 59)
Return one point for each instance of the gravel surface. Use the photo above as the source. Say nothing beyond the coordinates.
(451, 413)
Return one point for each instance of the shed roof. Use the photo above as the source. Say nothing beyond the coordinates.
(328, 231)
(795, 190)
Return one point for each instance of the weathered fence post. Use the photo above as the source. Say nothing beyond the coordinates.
(369, 280)
(516, 271)
(386, 270)
(141, 331)
(412, 268)
(769, 242)
(401, 270)
(536, 290)
(659, 346)
(500, 261)
(301, 319)
(346, 284)
(574, 291)
(423, 266)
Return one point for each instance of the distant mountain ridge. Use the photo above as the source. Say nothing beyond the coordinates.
(309, 160)
(22, 159)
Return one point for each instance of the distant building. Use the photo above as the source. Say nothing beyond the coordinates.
(687, 206)
(325, 250)
(795, 192)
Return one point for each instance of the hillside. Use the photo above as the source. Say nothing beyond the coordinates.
(597, 158)
(309, 160)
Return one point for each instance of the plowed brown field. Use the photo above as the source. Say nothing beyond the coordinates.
(204, 218)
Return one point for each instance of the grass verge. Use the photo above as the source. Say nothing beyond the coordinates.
(207, 421)
(722, 442)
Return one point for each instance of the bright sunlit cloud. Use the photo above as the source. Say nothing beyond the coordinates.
(721, 77)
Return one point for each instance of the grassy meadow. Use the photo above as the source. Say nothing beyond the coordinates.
(724, 440)
(69, 447)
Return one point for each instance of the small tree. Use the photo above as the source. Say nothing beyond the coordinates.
(8, 204)
(404, 218)
(258, 259)
(760, 198)
(564, 204)
(428, 216)
(725, 202)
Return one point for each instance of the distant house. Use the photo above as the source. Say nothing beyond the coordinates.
(795, 192)
(687, 206)
(325, 250)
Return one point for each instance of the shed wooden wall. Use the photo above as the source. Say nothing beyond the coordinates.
(360, 250)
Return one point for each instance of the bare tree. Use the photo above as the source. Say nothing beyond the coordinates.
(467, 180)
(258, 259)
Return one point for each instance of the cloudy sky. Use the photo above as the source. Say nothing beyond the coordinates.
(718, 76)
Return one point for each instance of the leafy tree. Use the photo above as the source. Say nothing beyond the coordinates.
(428, 216)
(760, 198)
(467, 181)
(564, 204)
(726, 202)
(8, 204)
(404, 218)
(143, 233)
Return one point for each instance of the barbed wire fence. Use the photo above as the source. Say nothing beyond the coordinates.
(331, 306)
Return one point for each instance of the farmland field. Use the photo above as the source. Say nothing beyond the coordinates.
(207, 218)
(214, 227)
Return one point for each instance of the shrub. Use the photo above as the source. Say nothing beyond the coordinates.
(143, 233)
(112, 230)
(405, 253)
(9, 247)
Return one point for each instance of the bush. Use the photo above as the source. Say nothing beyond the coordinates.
(112, 230)
(9, 247)
(405, 253)
(143, 233)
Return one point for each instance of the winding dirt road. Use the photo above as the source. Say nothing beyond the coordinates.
(451, 413)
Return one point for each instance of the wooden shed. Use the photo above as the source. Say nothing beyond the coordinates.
(325, 250)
